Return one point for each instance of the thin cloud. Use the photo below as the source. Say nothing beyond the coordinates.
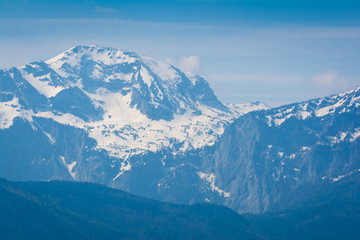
(260, 78)
(6, 23)
(331, 80)
(189, 64)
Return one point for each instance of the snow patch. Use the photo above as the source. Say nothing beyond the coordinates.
(328, 109)
(338, 178)
(210, 178)
(51, 139)
(69, 167)
(355, 135)
(40, 84)
(244, 108)
(10, 110)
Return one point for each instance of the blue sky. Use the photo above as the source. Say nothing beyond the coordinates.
(274, 51)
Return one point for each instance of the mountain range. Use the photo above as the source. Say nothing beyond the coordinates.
(131, 122)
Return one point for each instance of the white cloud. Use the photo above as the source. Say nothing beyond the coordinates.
(170, 61)
(330, 81)
(189, 64)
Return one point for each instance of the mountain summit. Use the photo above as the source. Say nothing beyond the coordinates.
(156, 88)
(116, 96)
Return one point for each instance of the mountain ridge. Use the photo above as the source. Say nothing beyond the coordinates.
(72, 210)
(273, 152)
(98, 128)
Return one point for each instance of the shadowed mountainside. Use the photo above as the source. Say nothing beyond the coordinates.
(69, 210)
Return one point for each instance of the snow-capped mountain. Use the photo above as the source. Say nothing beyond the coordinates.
(121, 103)
(128, 103)
(266, 159)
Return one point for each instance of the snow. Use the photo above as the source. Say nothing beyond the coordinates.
(304, 114)
(210, 178)
(164, 70)
(10, 110)
(318, 108)
(304, 106)
(146, 77)
(193, 77)
(96, 73)
(125, 166)
(51, 139)
(268, 120)
(107, 56)
(344, 136)
(279, 121)
(125, 130)
(355, 135)
(353, 100)
(69, 167)
(243, 108)
(40, 83)
(335, 179)
(338, 178)
(65, 118)
(289, 110)
(326, 110)
(101, 56)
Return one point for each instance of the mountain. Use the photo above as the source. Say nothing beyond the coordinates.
(113, 117)
(69, 210)
(117, 102)
(74, 210)
(131, 122)
(326, 212)
(116, 97)
(265, 159)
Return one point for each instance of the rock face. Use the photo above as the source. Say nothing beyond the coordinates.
(265, 157)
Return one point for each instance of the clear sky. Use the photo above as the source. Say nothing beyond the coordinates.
(274, 51)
